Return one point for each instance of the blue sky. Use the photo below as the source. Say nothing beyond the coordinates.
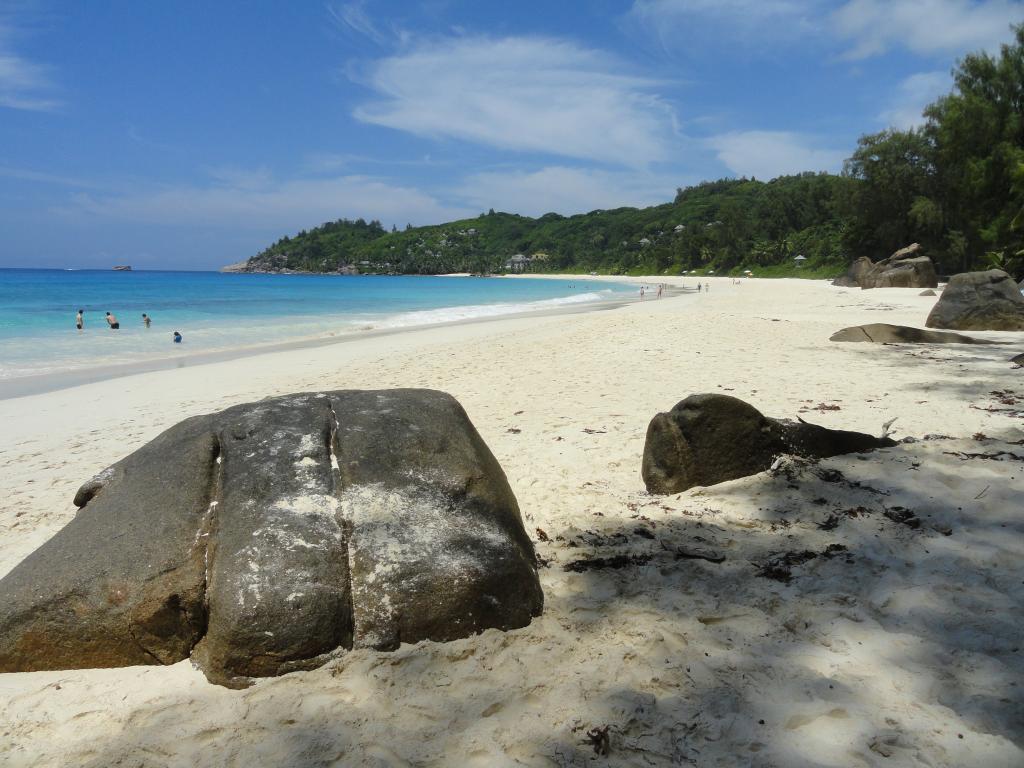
(188, 135)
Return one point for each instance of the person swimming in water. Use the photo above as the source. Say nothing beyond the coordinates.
(177, 338)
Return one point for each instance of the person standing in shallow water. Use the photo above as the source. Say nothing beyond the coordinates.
(177, 338)
(146, 319)
(112, 322)
(79, 320)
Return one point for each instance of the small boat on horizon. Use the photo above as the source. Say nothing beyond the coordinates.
(122, 268)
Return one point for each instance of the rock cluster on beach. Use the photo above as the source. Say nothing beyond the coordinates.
(268, 536)
(711, 438)
(979, 301)
(906, 268)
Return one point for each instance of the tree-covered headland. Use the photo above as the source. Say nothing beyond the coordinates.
(955, 185)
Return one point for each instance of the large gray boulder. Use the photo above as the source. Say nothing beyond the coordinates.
(979, 301)
(854, 276)
(906, 268)
(274, 535)
(884, 333)
(710, 438)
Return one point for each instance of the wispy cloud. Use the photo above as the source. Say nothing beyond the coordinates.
(912, 95)
(864, 28)
(693, 23)
(27, 174)
(24, 84)
(136, 135)
(353, 16)
(333, 163)
(565, 190)
(767, 154)
(240, 200)
(522, 93)
(241, 179)
(925, 26)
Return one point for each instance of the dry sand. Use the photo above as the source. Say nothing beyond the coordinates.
(904, 648)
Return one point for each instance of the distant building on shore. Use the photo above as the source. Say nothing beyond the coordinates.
(518, 263)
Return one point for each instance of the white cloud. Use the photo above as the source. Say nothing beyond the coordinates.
(925, 26)
(565, 190)
(23, 84)
(871, 27)
(27, 174)
(912, 95)
(738, 14)
(329, 162)
(354, 16)
(699, 24)
(523, 93)
(254, 201)
(767, 154)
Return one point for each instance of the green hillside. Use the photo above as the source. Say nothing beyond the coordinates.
(718, 225)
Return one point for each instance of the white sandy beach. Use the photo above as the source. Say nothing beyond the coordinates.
(905, 649)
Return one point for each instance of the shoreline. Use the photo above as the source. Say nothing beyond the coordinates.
(24, 386)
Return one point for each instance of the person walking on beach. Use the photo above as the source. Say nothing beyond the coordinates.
(79, 320)
(177, 338)
(660, 286)
(112, 322)
(146, 320)
(641, 293)
(698, 287)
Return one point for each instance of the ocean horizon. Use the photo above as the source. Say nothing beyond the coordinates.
(222, 312)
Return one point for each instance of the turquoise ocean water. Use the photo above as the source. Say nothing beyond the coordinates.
(216, 312)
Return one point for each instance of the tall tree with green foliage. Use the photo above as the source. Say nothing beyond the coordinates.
(955, 184)
(896, 174)
(978, 137)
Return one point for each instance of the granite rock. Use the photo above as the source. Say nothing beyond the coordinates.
(275, 535)
(711, 438)
(979, 301)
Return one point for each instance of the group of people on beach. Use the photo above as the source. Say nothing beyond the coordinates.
(114, 325)
(644, 289)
